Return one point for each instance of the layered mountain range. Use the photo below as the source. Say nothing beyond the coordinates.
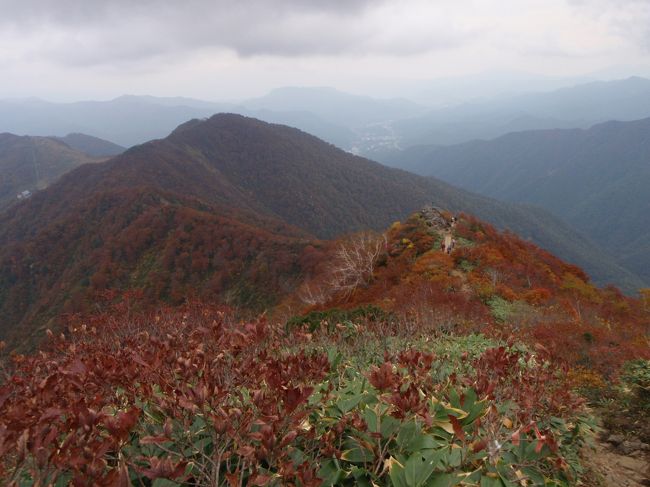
(577, 106)
(229, 207)
(596, 179)
(370, 126)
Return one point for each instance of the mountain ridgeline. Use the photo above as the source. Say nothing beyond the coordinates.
(373, 127)
(93, 146)
(130, 120)
(229, 207)
(578, 106)
(595, 179)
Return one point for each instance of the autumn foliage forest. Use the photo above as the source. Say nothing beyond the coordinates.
(381, 359)
(228, 208)
(169, 247)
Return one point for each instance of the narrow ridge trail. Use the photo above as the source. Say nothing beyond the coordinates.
(615, 470)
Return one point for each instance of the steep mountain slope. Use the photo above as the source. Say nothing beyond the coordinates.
(169, 247)
(256, 174)
(31, 163)
(596, 179)
(93, 146)
(577, 107)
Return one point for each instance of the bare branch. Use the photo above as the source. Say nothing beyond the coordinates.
(354, 262)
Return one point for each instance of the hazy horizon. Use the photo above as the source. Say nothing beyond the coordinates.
(229, 51)
(495, 85)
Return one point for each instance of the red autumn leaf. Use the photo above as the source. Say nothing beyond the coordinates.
(246, 451)
(138, 359)
(187, 404)
(50, 436)
(541, 349)
(50, 413)
(119, 426)
(288, 438)
(162, 468)
(233, 478)
(458, 429)
(76, 368)
(261, 480)
(479, 446)
(294, 396)
(5, 392)
(123, 480)
(168, 427)
(383, 378)
(552, 444)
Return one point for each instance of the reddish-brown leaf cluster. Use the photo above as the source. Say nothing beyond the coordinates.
(537, 389)
(83, 409)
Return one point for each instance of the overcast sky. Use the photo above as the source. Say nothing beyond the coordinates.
(229, 49)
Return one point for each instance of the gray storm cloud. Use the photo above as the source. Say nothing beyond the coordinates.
(84, 32)
(115, 46)
(82, 11)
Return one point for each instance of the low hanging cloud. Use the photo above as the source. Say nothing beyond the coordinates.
(82, 32)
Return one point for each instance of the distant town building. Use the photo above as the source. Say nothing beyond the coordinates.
(24, 195)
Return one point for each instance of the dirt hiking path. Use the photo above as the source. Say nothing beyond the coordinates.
(614, 470)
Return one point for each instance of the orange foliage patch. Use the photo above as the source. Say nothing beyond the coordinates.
(580, 323)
